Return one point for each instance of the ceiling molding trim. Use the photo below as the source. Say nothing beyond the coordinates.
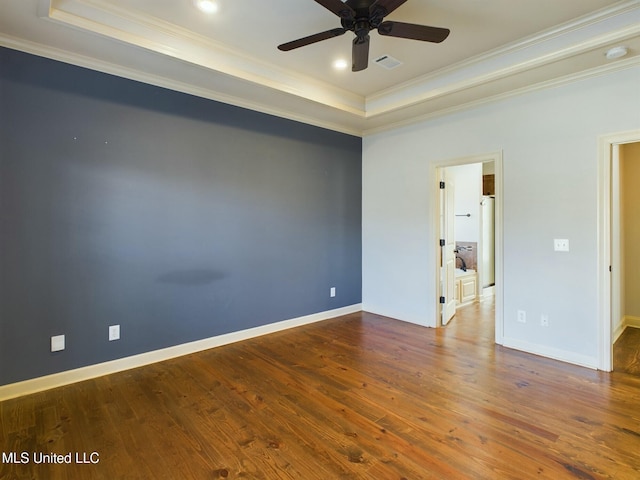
(620, 21)
(450, 87)
(44, 8)
(98, 17)
(171, 84)
(136, 75)
(520, 44)
(549, 84)
(153, 34)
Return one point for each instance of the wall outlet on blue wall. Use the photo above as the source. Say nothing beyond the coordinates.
(114, 332)
(332, 292)
(57, 343)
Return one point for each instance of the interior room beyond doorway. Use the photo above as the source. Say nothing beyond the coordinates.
(473, 214)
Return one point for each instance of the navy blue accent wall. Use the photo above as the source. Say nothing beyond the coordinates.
(178, 218)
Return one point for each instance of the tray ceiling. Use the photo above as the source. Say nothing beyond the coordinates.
(497, 48)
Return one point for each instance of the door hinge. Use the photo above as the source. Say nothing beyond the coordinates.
(442, 242)
(442, 300)
(610, 268)
(441, 185)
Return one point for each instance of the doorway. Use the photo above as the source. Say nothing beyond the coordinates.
(613, 318)
(478, 258)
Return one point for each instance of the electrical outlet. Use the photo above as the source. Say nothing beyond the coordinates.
(332, 292)
(114, 332)
(522, 316)
(561, 244)
(57, 343)
(544, 320)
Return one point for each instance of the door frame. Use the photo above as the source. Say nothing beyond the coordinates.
(606, 297)
(496, 158)
(447, 251)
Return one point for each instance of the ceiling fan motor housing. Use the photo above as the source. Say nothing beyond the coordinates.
(364, 19)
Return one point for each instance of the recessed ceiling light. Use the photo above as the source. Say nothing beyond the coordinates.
(340, 64)
(206, 6)
(616, 52)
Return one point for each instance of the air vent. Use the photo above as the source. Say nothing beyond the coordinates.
(388, 62)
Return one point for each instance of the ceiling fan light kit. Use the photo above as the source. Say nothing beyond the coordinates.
(362, 16)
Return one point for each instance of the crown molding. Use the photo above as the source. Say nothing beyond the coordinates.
(524, 66)
(616, 23)
(549, 84)
(172, 84)
(153, 51)
(559, 43)
(527, 42)
(100, 17)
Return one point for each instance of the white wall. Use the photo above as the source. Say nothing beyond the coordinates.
(549, 143)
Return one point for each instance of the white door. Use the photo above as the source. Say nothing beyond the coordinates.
(448, 262)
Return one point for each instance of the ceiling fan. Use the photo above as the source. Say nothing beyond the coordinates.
(362, 16)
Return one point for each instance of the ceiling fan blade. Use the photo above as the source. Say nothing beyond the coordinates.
(336, 6)
(413, 32)
(360, 55)
(318, 37)
(388, 6)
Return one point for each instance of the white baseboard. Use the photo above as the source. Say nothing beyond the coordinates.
(553, 353)
(396, 314)
(628, 321)
(631, 321)
(489, 291)
(47, 382)
(618, 330)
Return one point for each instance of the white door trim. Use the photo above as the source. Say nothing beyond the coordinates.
(448, 256)
(605, 339)
(495, 157)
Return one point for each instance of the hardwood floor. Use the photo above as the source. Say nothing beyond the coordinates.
(626, 352)
(358, 397)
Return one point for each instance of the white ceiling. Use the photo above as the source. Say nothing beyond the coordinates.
(496, 48)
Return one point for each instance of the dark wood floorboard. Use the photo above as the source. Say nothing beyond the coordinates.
(357, 397)
(626, 352)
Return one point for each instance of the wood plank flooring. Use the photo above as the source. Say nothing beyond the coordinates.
(626, 352)
(357, 397)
